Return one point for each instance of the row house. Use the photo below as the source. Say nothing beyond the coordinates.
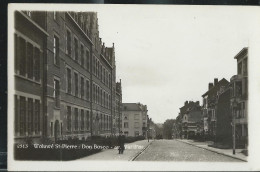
(209, 106)
(66, 76)
(134, 119)
(239, 98)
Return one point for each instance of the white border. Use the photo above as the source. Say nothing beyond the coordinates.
(254, 99)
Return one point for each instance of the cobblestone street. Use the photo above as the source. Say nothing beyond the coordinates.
(172, 150)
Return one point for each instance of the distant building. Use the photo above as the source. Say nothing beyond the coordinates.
(239, 97)
(117, 124)
(134, 119)
(209, 106)
(188, 122)
(191, 121)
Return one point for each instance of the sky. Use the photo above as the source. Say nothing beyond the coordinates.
(166, 55)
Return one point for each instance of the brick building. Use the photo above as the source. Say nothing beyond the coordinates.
(30, 52)
(72, 84)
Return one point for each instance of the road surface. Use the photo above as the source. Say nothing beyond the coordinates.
(173, 150)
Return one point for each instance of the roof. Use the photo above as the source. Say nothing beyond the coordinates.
(190, 105)
(133, 107)
(195, 116)
(215, 88)
(241, 53)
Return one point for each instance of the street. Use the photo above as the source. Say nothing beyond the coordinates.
(173, 150)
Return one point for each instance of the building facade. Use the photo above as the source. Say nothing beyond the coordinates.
(73, 79)
(239, 98)
(188, 122)
(134, 119)
(209, 107)
(224, 118)
(117, 124)
(30, 51)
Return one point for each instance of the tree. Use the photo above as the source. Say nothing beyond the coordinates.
(167, 128)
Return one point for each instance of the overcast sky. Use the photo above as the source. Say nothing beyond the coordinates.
(166, 55)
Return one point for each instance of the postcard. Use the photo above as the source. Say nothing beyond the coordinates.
(133, 87)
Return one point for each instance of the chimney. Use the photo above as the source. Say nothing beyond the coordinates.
(210, 85)
(186, 103)
(215, 81)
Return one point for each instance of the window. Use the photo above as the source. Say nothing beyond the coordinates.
(100, 94)
(87, 94)
(136, 116)
(51, 128)
(88, 120)
(61, 128)
(16, 51)
(76, 84)
(57, 92)
(126, 133)
(37, 116)
(109, 81)
(144, 124)
(68, 118)
(94, 65)
(76, 49)
(16, 102)
(88, 59)
(36, 64)
(30, 116)
(82, 87)
(29, 53)
(125, 124)
(103, 75)
(56, 50)
(245, 66)
(22, 53)
(68, 43)
(239, 68)
(22, 115)
(82, 55)
(136, 124)
(136, 133)
(68, 80)
(82, 119)
(144, 117)
(76, 119)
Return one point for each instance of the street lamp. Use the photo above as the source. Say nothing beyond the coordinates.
(234, 126)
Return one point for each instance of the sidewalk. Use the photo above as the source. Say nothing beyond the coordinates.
(227, 152)
(131, 151)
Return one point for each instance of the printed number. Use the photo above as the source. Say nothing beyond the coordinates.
(24, 146)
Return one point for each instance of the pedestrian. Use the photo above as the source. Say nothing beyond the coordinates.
(121, 143)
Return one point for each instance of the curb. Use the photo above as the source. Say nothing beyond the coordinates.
(221, 153)
(138, 153)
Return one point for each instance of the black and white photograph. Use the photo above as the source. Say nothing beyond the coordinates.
(134, 87)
